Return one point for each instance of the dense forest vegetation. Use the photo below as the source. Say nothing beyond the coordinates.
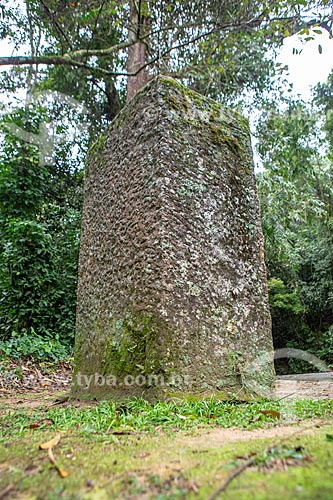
(75, 63)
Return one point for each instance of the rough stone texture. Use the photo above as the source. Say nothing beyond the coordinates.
(172, 280)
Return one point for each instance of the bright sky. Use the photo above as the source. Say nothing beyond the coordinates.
(306, 68)
(309, 67)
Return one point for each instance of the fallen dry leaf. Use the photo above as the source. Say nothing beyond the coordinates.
(271, 413)
(49, 444)
(38, 424)
(61, 472)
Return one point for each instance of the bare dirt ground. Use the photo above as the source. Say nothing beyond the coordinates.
(30, 385)
(305, 386)
(216, 437)
(33, 384)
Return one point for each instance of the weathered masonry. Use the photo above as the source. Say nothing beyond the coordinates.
(172, 294)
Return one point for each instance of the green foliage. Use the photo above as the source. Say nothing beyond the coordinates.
(288, 324)
(325, 348)
(324, 100)
(28, 275)
(283, 452)
(296, 205)
(280, 298)
(35, 287)
(28, 344)
(39, 231)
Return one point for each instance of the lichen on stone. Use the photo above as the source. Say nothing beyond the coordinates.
(172, 280)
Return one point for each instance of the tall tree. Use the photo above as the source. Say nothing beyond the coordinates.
(137, 52)
(296, 206)
(218, 47)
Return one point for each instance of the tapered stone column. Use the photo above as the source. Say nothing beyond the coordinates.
(172, 293)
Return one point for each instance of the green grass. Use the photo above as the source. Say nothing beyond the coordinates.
(163, 451)
(311, 480)
(139, 415)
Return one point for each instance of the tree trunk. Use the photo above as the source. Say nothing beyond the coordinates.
(137, 53)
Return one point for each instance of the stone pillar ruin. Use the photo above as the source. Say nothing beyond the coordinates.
(172, 291)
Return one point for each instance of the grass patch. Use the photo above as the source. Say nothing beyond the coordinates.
(309, 481)
(139, 415)
(163, 451)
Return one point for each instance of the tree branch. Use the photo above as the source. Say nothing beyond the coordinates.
(55, 23)
(65, 61)
(73, 58)
(56, 61)
(84, 53)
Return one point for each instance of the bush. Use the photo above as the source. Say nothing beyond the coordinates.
(29, 344)
(36, 293)
(291, 328)
(40, 210)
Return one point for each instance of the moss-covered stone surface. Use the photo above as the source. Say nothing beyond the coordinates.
(172, 295)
